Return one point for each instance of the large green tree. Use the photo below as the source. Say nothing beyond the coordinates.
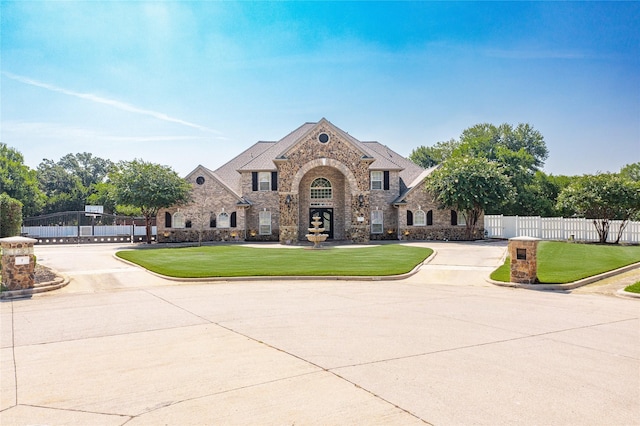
(429, 156)
(603, 197)
(149, 187)
(20, 182)
(70, 182)
(470, 185)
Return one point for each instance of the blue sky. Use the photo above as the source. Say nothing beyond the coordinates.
(188, 83)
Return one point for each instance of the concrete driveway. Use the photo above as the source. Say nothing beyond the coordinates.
(121, 346)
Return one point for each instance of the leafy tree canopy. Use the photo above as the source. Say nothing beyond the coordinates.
(19, 181)
(149, 187)
(602, 197)
(470, 186)
(433, 155)
(631, 171)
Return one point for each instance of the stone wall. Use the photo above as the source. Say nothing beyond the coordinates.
(18, 263)
(209, 198)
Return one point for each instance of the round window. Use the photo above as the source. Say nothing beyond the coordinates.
(199, 180)
(323, 138)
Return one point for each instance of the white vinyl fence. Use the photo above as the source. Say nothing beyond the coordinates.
(556, 228)
(61, 234)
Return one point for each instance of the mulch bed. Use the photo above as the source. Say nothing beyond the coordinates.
(43, 274)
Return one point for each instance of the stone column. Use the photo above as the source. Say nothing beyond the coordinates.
(524, 260)
(18, 263)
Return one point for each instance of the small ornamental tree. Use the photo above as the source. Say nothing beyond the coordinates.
(470, 186)
(149, 187)
(602, 198)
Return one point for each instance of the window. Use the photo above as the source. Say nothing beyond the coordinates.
(178, 220)
(420, 218)
(264, 181)
(376, 180)
(167, 220)
(376, 221)
(457, 219)
(223, 220)
(321, 188)
(265, 223)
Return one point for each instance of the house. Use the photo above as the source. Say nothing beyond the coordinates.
(362, 191)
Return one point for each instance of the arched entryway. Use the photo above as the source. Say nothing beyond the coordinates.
(323, 190)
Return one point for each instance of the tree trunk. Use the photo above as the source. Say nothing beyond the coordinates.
(147, 224)
(602, 228)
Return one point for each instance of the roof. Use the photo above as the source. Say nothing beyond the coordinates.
(261, 155)
(414, 184)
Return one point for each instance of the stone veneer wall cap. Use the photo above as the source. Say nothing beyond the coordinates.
(524, 238)
(17, 240)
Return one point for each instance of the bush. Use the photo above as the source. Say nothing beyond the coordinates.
(10, 216)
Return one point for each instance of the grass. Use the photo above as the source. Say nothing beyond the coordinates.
(560, 263)
(633, 288)
(238, 261)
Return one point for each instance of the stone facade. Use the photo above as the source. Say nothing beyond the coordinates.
(523, 252)
(18, 263)
(269, 189)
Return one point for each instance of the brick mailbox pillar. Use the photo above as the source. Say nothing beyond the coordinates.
(524, 260)
(18, 263)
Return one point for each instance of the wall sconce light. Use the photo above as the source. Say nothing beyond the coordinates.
(287, 200)
(361, 200)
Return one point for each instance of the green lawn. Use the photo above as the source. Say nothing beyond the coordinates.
(239, 261)
(633, 288)
(560, 263)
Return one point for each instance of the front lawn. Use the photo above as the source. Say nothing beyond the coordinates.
(560, 263)
(239, 261)
(633, 288)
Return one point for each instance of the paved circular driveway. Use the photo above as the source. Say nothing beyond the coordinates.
(121, 346)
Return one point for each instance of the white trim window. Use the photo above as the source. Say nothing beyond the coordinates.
(265, 223)
(377, 221)
(223, 220)
(420, 218)
(178, 220)
(376, 179)
(264, 181)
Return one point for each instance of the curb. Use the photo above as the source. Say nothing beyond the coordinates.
(289, 278)
(59, 282)
(628, 294)
(572, 285)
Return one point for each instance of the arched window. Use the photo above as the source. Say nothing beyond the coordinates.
(419, 218)
(178, 220)
(167, 220)
(321, 188)
(223, 220)
(430, 218)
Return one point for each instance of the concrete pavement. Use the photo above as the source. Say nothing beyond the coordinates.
(121, 346)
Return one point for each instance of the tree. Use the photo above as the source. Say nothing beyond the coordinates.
(603, 197)
(20, 182)
(521, 151)
(470, 186)
(631, 171)
(10, 216)
(70, 182)
(148, 186)
(433, 155)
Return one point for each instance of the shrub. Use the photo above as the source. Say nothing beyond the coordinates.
(10, 216)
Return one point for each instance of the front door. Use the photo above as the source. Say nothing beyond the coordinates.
(326, 217)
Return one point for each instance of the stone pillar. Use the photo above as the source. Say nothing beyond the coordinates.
(524, 260)
(18, 263)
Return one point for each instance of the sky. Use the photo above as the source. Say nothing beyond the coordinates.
(183, 83)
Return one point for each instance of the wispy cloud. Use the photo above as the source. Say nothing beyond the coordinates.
(123, 106)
